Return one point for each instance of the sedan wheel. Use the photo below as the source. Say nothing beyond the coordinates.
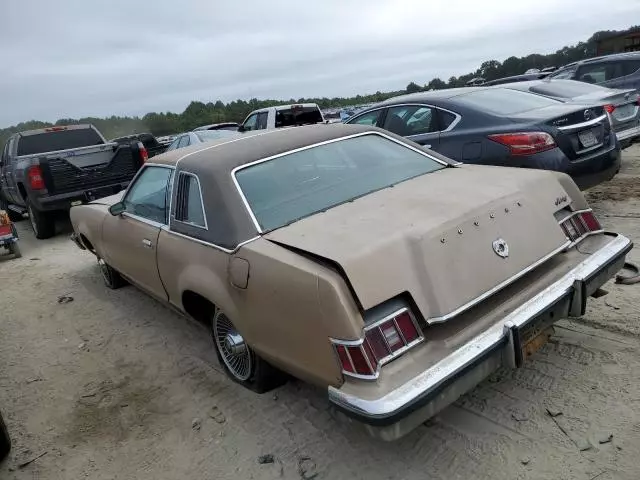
(111, 277)
(235, 353)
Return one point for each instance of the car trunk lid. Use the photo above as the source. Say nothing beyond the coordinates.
(438, 237)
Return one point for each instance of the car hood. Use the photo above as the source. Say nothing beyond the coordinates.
(433, 236)
(110, 200)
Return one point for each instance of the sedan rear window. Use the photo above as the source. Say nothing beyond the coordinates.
(503, 101)
(290, 187)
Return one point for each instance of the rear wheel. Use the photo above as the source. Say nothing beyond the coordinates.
(14, 248)
(5, 440)
(43, 224)
(238, 359)
(111, 277)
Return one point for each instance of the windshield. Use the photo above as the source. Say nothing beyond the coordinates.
(565, 73)
(566, 89)
(296, 185)
(58, 140)
(208, 135)
(503, 101)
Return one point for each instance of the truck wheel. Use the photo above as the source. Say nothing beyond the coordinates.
(43, 224)
(5, 440)
(15, 249)
(238, 359)
(111, 277)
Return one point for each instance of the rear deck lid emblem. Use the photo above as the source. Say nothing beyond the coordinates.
(501, 247)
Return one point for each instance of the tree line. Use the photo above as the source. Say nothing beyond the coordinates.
(199, 113)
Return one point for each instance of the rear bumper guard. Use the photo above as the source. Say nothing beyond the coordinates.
(399, 411)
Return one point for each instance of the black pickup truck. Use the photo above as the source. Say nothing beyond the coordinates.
(49, 170)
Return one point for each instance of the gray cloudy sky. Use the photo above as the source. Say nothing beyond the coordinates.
(71, 58)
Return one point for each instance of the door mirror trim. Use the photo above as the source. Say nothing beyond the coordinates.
(117, 209)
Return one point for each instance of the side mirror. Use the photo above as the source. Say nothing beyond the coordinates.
(117, 209)
(241, 128)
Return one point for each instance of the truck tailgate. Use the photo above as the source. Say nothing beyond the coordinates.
(84, 170)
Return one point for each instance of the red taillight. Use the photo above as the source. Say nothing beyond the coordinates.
(580, 224)
(383, 341)
(525, 143)
(590, 221)
(55, 129)
(609, 108)
(34, 174)
(144, 155)
(5, 230)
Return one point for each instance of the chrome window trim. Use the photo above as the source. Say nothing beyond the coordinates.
(307, 147)
(414, 104)
(209, 244)
(204, 213)
(383, 361)
(583, 124)
(132, 183)
(500, 286)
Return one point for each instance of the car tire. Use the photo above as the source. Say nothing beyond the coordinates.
(239, 361)
(112, 279)
(14, 248)
(5, 440)
(42, 223)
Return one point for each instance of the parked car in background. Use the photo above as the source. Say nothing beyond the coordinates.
(218, 126)
(201, 136)
(623, 106)
(620, 70)
(344, 255)
(151, 143)
(505, 127)
(516, 78)
(282, 116)
(46, 171)
(475, 81)
(166, 140)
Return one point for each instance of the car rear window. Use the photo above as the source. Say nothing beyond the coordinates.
(502, 101)
(208, 135)
(60, 140)
(297, 115)
(566, 89)
(293, 186)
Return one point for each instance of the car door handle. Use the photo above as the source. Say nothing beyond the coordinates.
(147, 243)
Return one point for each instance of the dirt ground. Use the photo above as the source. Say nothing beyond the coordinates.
(112, 385)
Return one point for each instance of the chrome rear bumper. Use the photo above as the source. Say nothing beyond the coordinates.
(628, 133)
(401, 410)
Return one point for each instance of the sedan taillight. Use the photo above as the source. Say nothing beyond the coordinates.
(579, 225)
(609, 108)
(525, 143)
(383, 341)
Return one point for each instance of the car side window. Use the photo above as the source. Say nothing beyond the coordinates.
(411, 120)
(630, 67)
(261, 122)
(600, 72)
(148, 196)
(174, 145)
(250, 122)
(369, 118)
(565, 74)
(189, 207)
(184, 141)
(446, 119)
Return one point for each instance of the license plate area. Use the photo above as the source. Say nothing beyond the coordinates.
(530, 337)
(588, 138)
